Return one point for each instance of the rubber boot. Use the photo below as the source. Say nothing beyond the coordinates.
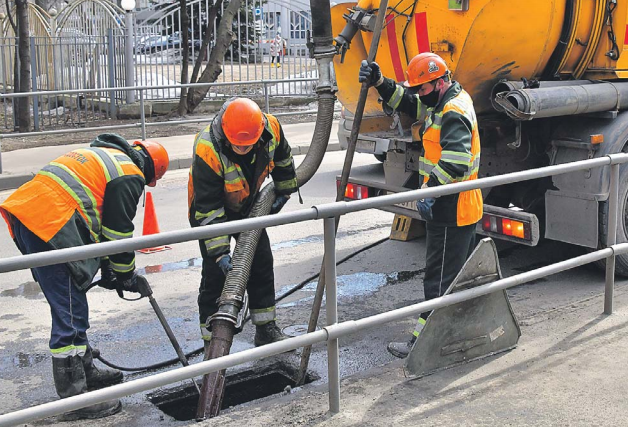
(98, 377)
(267, 333)
(69, 377)
(401, 349)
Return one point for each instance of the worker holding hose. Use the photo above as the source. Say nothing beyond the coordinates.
(447, 128)
(232, 158)
(86, 196)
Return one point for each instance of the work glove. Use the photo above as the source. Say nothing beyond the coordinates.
(424, 206)
(224, 263)
(370, 73)
(107, 275)
(279, 203)
(134, 283)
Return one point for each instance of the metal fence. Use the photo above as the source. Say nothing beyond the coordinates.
(71, 111)
(333, 330)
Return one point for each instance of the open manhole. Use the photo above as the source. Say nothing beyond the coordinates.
(181, 402)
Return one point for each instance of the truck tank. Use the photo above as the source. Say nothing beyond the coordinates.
(485, 41)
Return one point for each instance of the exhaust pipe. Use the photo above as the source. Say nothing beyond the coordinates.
(562, 100)
(230, 301)
(511, 85)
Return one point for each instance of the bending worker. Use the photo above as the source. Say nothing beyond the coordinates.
(232, 158)
(86, 196)
(448, 129)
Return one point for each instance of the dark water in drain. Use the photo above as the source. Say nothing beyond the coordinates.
(181, 404)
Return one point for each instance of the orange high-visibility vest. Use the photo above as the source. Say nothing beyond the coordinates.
(470, 204)
(74, 182)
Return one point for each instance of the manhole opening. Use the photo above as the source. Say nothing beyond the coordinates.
(181, 402)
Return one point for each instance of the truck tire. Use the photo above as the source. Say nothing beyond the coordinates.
(621, 261)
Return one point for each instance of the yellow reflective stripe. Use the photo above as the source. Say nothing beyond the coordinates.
(262, 316)
(420, 324)
(115, 235)
(422, 110)
(108, 162)
(442, 176)
(396, 97)
(286, 185)
(206, 218)
(123, 268)
(79, 192)
(68, 350)
(216, 242)
(284, 163)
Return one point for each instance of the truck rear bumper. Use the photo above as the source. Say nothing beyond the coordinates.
(505, 224)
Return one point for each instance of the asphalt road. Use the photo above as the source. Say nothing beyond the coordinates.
(383, 278)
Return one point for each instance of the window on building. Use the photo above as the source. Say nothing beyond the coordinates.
(299, 24)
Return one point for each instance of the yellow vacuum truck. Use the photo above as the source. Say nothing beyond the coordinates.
(549, 81)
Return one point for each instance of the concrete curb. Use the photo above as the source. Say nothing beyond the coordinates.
(11, 182)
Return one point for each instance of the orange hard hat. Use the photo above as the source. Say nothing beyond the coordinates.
(159, 156)
(425, 67)
(242, 122)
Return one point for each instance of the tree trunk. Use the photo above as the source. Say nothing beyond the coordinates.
(185, 45)
(224, 37)
(23, 105)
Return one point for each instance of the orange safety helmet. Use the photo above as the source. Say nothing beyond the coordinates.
(424, 68)
(159, 155)
(242, 122)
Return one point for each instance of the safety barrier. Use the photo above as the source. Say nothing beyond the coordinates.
(333, 331)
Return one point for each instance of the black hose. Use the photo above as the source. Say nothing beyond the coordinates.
(97, 355)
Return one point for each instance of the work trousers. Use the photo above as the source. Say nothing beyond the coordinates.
(260, 287)
(68, 305)
(448, 248)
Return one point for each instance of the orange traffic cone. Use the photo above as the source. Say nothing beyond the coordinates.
(150, 225)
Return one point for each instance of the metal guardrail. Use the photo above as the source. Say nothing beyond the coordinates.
(333, 330)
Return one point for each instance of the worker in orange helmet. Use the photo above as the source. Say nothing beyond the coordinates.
(86, 196)
(447, 128)
(232, 158)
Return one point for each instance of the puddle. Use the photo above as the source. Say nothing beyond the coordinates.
(21, 360)
(171, 266)
(181, 402)
(28, 290)
(297, 242)
(355, 285)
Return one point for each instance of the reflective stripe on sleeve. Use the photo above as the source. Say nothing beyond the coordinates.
(123, 268)
(216, 242)
(286, 185)
(206, 218)
(115, 235)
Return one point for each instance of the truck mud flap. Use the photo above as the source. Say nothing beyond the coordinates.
(469, 330)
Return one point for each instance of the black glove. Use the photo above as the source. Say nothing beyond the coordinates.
(224, 262)
(279, 203)
(107, 275)
(370, 73)
(134, 283)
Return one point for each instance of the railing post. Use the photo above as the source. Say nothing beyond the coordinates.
(266, 97)
(34, 84)
(331, 307)
(129, 61)
(112, 73)
(142, 115)
(611, 239)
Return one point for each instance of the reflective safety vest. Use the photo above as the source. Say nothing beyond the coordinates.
(63, 206)
(470, 204)
(237, 189)
(74, 182)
